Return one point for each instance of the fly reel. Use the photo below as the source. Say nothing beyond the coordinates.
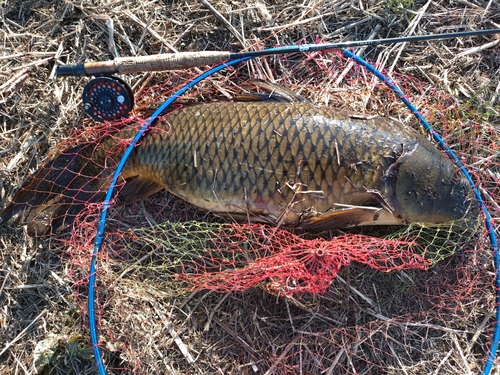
(107, 98)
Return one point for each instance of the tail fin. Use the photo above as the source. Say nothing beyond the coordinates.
(50, 200)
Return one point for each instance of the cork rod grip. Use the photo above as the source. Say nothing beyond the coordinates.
(125, 65)
(168, 61)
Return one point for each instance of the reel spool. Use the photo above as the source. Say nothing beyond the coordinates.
(107, 99)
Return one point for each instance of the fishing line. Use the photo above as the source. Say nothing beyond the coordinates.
(279, 50)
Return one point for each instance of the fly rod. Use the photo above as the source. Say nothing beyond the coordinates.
(184, 60)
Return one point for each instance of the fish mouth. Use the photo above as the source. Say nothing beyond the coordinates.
(424, 186)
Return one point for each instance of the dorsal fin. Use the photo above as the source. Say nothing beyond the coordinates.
(274, 93)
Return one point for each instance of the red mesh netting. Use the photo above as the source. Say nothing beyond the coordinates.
(285, 264)
(370, 300)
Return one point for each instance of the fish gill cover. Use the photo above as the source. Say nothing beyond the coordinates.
(180, 291)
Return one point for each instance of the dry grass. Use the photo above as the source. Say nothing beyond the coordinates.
(434, 322)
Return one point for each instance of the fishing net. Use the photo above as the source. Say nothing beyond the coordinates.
(182, 291)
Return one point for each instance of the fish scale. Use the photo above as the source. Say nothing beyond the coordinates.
(249, 155)
(291, 163)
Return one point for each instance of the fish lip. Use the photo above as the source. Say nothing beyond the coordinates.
(428, 188)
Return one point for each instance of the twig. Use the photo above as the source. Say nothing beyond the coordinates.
(26, 145)
(21, 334)
(111, 31)
(442, 362)
(15, 82)
(262, 9)
(349, 357)
(143, 35)
(490, 198)
(282, 355)
(296, 23)
(479, 330)
(495, 94)
(58, 54)
(401, 366)
(477, 49)
(185, 32)
(350, 26)
(290, 319)
(408, 324)
(250, 350)
(313, 355)
(5, 281)
(151, 31)
(34, 63)
(462, 356)
(26, 371)
(358, 53)
(412, 28)
(367, 299)
(142, 83)
(486, 9)
(29, 286)
(27, 54)
(211, 315)
(487, 159)
(127, 39)
(335, 361)
(470, 4)
(178, 341)
(226, 23)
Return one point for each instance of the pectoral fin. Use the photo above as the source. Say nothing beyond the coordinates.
(350, 217)
(139, 188)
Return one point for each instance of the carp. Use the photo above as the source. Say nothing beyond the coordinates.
(285, 162)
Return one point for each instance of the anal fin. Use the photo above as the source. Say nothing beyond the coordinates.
(350, 217)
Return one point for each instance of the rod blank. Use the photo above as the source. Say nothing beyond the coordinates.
(184, 60)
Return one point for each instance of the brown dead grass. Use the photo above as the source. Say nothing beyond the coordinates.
(368, 323)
